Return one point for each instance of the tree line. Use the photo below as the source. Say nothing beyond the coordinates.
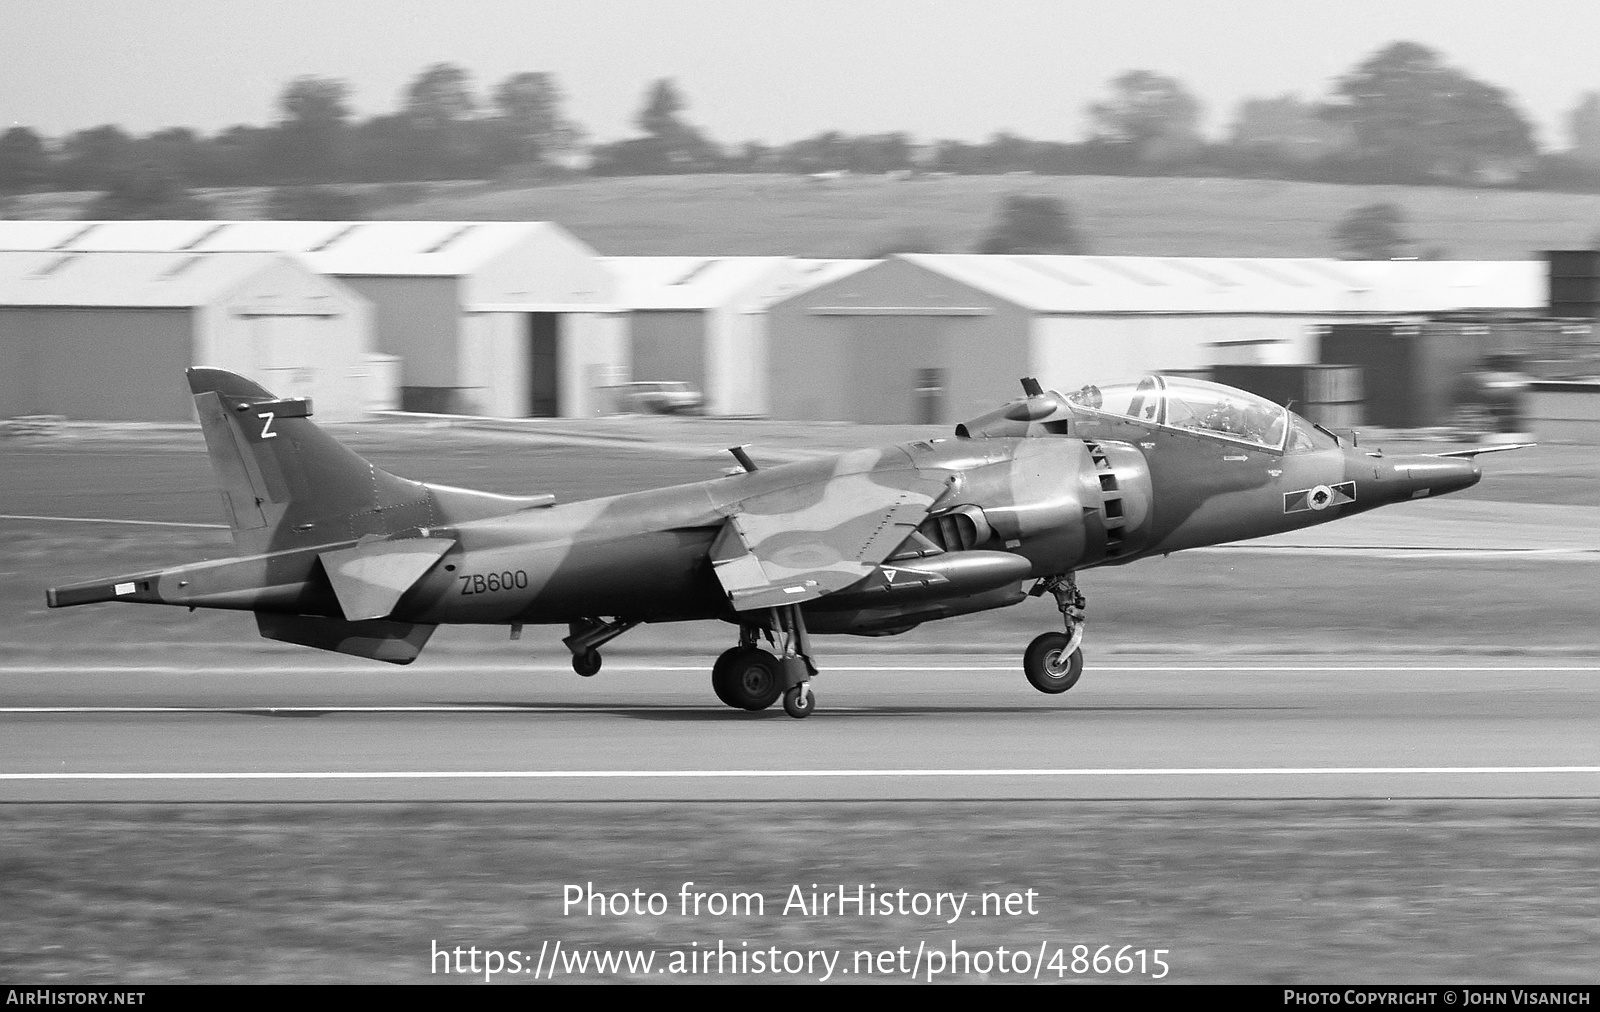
(1403, 115)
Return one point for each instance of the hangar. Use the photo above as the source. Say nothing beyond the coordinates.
(106, 336)
(702, 320)
(498, 318)
(939, 337)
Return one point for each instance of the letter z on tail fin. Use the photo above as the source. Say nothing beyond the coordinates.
(285, 482)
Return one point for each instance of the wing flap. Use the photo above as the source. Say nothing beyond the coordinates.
(779, 551)
(369, 580)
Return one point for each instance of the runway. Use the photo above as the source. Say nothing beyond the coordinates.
(889, 727)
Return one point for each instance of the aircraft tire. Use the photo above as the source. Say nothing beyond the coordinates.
(1046, 668)
(799, 701)
(752, 681)
(586, 663)
(721, 675)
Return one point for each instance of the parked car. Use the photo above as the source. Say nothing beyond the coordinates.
(659, 397)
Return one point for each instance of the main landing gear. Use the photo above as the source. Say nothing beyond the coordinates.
(747, 677)
(1053, 660)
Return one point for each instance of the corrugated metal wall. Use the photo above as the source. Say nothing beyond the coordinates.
(861, 348)
(670, 344)
(886, 359)
(416, 319)
(96, 364)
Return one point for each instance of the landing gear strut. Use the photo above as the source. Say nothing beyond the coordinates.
(588, 636)
(747, 677)
(1053, 661)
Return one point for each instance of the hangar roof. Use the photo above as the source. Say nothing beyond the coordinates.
(400, 248)
(692, 282)
(816, 273)
(1090, 284)
(138, 280)
(709, 282)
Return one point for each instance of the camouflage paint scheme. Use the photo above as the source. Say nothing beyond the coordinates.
(341, 555)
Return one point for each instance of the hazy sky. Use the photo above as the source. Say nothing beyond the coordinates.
(771, 70)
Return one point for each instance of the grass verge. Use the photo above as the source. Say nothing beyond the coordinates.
(1458, 891)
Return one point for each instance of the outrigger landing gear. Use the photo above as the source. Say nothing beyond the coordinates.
(747, 677)
(1053, 661)
(586, 639)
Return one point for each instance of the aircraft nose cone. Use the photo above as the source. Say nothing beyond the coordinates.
(1425, 477)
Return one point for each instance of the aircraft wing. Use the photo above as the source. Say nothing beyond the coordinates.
(796, 545)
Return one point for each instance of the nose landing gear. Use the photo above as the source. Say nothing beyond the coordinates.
(1053, 661)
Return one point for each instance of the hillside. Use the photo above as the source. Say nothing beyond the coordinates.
(855, 216)
(859, 215)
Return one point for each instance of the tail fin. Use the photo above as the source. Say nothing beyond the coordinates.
(288, 484)
(285, 482)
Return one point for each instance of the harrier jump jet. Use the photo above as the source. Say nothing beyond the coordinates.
(338, 554)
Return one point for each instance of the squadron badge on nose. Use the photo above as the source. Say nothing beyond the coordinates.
(1319, 498)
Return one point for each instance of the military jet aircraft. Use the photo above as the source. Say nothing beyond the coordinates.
(341, 555)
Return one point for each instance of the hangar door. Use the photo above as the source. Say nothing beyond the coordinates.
(544, 365)
(897, 368)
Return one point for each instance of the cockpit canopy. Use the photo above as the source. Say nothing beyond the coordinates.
(1179, 402)
(1185, 403)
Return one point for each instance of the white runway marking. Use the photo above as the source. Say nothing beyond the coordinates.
(790, 774)
(267, 667)
(96, 520)
(260, 708)
(1407, 551)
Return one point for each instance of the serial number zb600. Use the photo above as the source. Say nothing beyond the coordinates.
(489, 583)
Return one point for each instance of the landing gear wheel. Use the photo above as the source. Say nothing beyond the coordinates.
(722, 674)
(799, 701)
(1048, 667)
(750, 679)
(586, 663)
